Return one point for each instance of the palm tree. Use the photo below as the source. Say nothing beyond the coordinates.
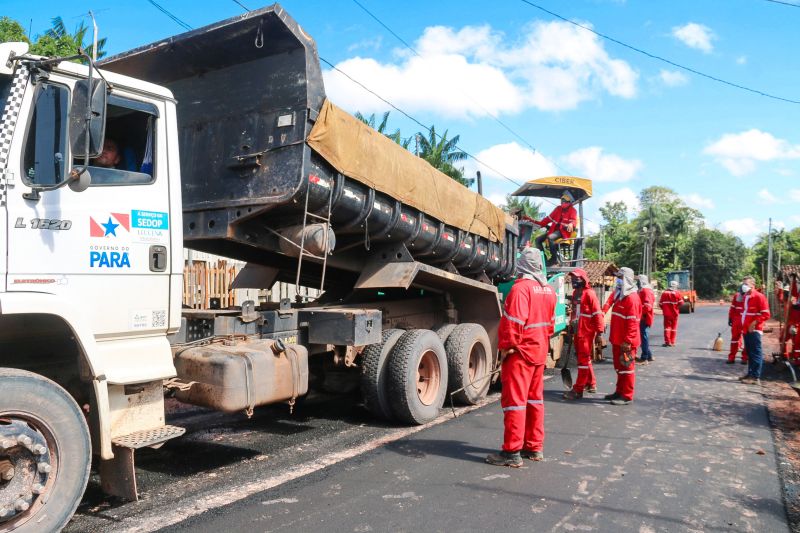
(442, 154)
(59, 42)
(381, 128)
(524, 206)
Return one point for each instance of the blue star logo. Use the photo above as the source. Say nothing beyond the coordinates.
(111, 228)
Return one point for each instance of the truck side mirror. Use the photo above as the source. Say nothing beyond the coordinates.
(87, 117)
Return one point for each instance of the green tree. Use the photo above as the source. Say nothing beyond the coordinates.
(12, 31)
(785, 243)
(443, 153)
(523, 205)
(381, 128)
(719, 259)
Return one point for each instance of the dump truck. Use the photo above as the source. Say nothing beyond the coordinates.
(222, 140)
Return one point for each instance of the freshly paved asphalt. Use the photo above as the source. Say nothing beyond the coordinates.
(694, 452)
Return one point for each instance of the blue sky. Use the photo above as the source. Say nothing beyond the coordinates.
(590, 107)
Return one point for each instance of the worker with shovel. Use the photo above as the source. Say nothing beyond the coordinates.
(624, 336)
(524, 340)
(587, 324)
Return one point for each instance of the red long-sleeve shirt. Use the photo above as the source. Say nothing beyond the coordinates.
(559, 219)
(755, 309)
(737, 306)
(670, 303)
(527, 322)
(625, 320)
(588, 314)
(648, 298)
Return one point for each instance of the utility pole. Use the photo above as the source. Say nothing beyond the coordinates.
(602, 246)
(480, 183)
(768, 280)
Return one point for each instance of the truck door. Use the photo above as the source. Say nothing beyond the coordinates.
(106, 249)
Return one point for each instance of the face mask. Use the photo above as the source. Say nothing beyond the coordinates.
(745, 288)
(619, 282)
(577, 284)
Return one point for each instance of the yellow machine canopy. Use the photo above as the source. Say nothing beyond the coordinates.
(554, 187)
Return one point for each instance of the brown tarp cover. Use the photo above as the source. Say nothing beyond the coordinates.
(359, 152)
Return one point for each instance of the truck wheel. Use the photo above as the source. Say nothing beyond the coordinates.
(45, 453)
(469, 360)
(374, 374)
(445, 331)
(417, 376)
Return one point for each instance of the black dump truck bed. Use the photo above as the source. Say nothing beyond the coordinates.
(250, 92)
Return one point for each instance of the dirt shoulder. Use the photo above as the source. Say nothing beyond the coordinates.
(783, 405)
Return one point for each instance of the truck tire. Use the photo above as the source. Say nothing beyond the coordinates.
(469, 359)
(417, 376)
(444, 331)
(55, 454)
(374, 374)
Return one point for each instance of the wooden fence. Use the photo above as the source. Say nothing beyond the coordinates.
(203, 281)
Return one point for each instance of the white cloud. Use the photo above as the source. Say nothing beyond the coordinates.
(471, 72)
(367, 44)
(766, 197)
(749, 228)
(673, 78)
(697, 201)
(496, 198)
(592, 163)
(741, 60)
(695, 35)
(794, 194)
(739, 152)
(511, 160)
(625, 195)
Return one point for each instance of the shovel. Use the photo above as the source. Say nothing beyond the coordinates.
(794, 384)
(566, 374)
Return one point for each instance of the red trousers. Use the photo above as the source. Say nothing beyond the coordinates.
(794, 354)
(584, 348)
(670, 329)
(736, 343)
(626, 376)
(522, 399)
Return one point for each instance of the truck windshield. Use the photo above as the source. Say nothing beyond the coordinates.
(681, 277)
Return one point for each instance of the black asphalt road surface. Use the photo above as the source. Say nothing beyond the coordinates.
(694, 452)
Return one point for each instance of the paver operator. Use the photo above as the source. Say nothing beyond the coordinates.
(670, 304)
(755, 312)
(524, 340)
(735, 322)
(560, 224)
(624, 335)
(648, 299)
(588, 324)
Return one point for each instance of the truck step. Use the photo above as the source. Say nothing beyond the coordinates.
(148, 437)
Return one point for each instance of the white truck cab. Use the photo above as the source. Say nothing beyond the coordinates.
(90, 280)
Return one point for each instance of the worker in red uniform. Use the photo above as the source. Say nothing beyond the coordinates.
(792, 323)
(624, 335)
(648, 298)
(524, 340)
(670, 304)
(735, 322)
(755, 312)
(587, 324)
(560, 224)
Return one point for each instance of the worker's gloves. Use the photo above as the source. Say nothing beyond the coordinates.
(793, 331)
(730, 323)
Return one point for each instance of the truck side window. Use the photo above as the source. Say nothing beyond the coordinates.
(45, 147)
(128, 151)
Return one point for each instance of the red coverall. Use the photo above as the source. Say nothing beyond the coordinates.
(735, 317)
(590, 324)
(793, 320)
(625, 329)
(755, 309)
(526, 327)
(670, 304)
(559, 219)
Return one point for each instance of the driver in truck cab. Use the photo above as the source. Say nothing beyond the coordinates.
(109, 157)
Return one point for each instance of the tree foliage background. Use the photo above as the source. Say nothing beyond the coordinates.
(57, 41)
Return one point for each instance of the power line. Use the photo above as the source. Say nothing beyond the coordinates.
(783, 3)
(241, 5)
(662, 59)
(170, 15)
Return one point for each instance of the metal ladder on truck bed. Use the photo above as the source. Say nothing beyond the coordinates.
(303, 253)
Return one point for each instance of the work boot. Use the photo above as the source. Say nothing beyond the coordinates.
(665, 345)
(572, 395)
(532, 456)
(612, 396)
(591, 389)
(730, 361)
(743, 361)
(620, 401)
(742, 378)
(503, 458)
(750, 380)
